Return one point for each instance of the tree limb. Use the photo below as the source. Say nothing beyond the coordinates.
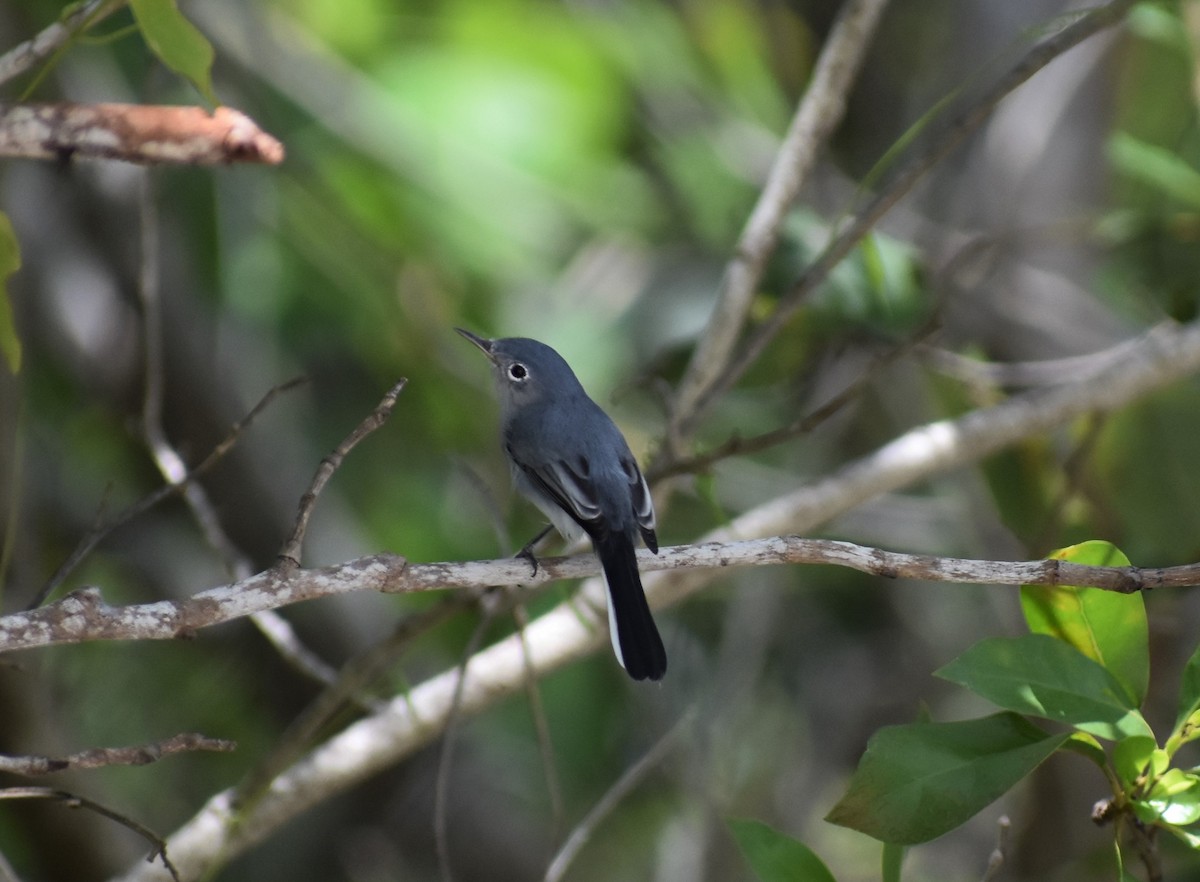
(819, 112)
(83, 616)
(940, 146)
(150, 134)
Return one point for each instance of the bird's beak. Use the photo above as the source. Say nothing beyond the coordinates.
(484, 344)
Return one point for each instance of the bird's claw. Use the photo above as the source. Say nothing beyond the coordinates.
(526, 553)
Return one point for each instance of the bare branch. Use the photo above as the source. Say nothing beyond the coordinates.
(1164, 354)
(83, 615)
(166, 458)
(278, 630)
(541, 725)
(95, 757)
(289, 556)
(21, 58)
(819, 112)
(94, 536)
(632, 777)
(1025, 374)
(939, 147)
(138, 133)
(71, 800)
(737, 445)
(996, 859)
(441, 800)
(350, 685)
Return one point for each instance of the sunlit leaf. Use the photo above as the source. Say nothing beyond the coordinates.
(777, 857)
(920, 780)
(1132, 755)
(1085, 745)
(176, 42)
(1106, 626)
(1174, 799)
(1044, 677)
(1192, 839)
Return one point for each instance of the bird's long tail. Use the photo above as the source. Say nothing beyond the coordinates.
(634, 635)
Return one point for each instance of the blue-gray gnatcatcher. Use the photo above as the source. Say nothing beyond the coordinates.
(571, 461)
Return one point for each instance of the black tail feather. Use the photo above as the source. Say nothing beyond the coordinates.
(641, 647)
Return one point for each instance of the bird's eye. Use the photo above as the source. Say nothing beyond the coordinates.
(517, 371)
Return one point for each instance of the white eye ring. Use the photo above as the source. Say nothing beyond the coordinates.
(518, 371)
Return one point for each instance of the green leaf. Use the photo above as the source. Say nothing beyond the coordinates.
(777, 857)
(1085, 745)
(176, 42)
(920, 780)
(1107, 627)
(1187, 723)
(1155, 166)
(1044, 677)
(1176, 797)
(1132, 755)
(10, 262)
(1192, 839)
(893, 861)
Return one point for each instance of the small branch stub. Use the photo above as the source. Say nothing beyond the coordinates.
(146, 134)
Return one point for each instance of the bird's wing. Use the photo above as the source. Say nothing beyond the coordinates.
(643, 504)
(569, 486)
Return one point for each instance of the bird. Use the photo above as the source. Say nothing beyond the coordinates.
(569, 459)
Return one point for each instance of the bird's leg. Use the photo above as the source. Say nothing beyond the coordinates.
(527, 552)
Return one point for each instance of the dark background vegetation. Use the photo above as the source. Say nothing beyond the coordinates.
(578, 172)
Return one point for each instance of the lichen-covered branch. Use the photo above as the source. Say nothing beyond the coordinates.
(147, 134)
(83, 615)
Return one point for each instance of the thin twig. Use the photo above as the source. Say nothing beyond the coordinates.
(818, 114)
(1145, 843)
(95, 757)
(1026, 374)
(21, 58)
(996, 858)
(350, 686)
(939, 147)
(166, 458)
(632, 777)
(541, 725)
(278, 630)
(99, 531)
(290, 554)
(739, 446)
(71, 800)
(446, 757)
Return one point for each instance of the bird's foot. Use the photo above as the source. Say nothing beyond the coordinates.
(526, 553)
